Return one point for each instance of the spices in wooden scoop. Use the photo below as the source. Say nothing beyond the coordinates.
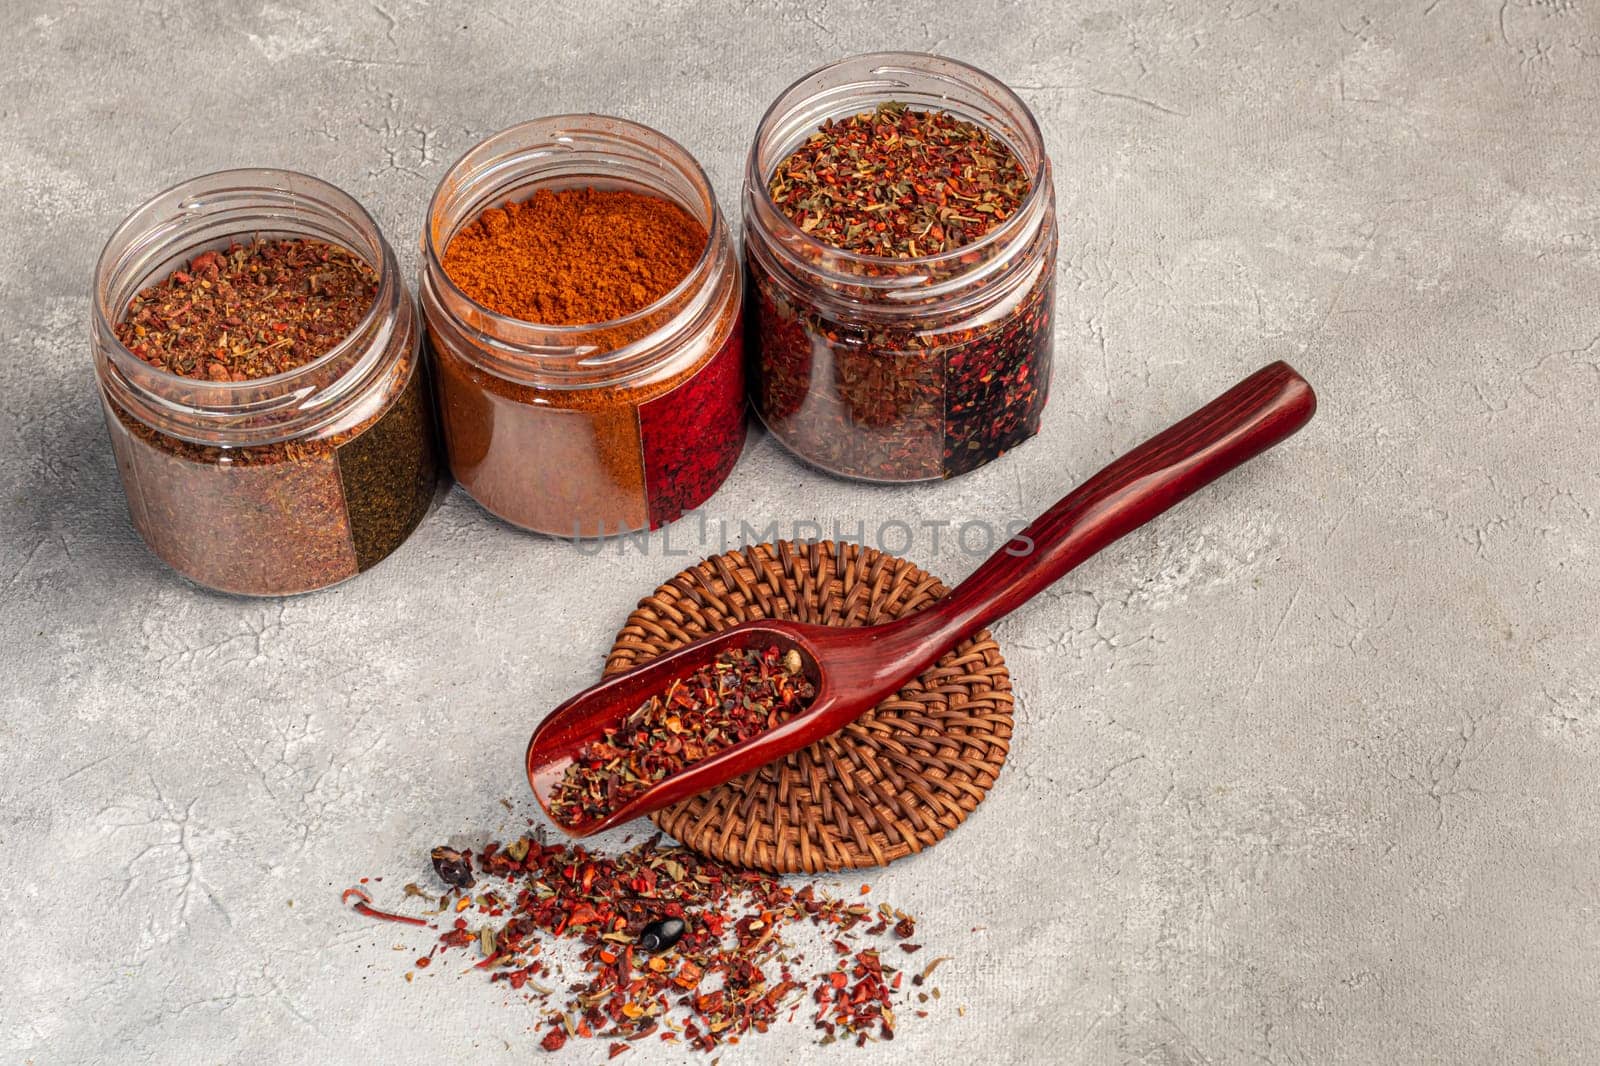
(742, 694)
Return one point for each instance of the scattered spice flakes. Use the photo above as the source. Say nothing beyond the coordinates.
(250, 310)
(741, 694)
(899, 182)
(734, 971)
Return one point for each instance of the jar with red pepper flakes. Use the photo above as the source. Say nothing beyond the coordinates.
(587, 429)
(260, 365)
(905, 338)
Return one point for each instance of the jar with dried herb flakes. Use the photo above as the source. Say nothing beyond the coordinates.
(259, 361)
(582, 297)
(900, 249)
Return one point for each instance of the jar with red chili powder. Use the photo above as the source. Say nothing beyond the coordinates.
(591, 428)
(924, 364)
(253, 482)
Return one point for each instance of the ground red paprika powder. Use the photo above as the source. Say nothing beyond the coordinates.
(571, 257)
(587, 432)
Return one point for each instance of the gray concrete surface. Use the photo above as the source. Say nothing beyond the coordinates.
(1306, 773)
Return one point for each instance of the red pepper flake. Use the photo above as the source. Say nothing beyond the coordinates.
(363, 905)
(554, 1040)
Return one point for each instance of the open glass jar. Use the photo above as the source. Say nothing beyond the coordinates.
(900, 369)
(587, 430)
(279, 484)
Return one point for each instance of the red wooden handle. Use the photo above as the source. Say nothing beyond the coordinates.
(1262, 410)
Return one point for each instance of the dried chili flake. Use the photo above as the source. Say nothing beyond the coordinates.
(363, 905)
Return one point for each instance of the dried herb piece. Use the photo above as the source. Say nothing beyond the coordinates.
(741, 694)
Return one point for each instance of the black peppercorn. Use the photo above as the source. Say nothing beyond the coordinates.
(659, 936)
(453, 867)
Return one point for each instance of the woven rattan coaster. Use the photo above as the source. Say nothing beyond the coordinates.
(893, 782)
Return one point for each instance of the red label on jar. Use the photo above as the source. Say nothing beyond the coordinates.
(693, 435)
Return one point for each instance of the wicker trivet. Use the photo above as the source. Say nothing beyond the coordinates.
(894, 781)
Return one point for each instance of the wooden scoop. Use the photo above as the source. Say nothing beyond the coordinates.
(854, 669)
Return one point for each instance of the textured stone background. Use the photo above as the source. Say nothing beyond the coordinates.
(1305, 773)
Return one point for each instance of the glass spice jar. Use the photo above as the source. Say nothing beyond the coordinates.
(279, 484)
(587, 430)
(898, 370)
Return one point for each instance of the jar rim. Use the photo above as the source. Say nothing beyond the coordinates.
(884, 62)
(250, 180)
(551, 126)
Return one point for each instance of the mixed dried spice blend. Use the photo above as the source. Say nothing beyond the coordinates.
(301, 513)
(587, 460)
(741, 694)
(250, 310)
(899, 183)
(909, 390)
(661, 944)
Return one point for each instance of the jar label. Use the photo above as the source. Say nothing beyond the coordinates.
(692, 435)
